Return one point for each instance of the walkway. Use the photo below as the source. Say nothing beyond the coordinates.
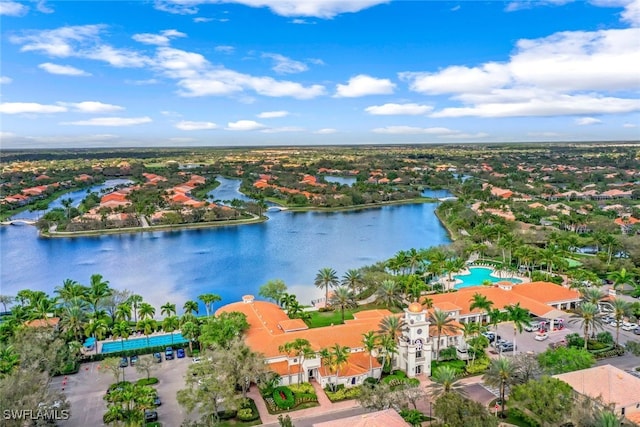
(325, 406)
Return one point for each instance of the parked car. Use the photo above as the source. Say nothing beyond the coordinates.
(168, 353)
(541, 336)
(156, 400)
(507, 346)
(157, 357)
(637, 330)
(533, 326)
(180, 353)
(124, 362)
(626, 326)
(133, 360)
(196, 360)
(497, 343)
(150, 416)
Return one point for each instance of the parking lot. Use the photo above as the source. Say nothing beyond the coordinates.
(525, 341)
(86, 389)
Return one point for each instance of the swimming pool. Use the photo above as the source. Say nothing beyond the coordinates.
(479, 275)
(136, 343)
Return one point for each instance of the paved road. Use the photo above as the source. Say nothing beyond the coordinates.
(310, 421)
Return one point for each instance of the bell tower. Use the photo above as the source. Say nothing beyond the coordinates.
(415, 345)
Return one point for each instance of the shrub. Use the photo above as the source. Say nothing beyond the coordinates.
(457, 365)
(400, 374)
(595, 346)
(245, 414)
(370, 382)
(413, 416)
(302, 388)
(227, 415)
(150, 381)
(283, 397)
(480, 365)
(343, 393)
(605, 337)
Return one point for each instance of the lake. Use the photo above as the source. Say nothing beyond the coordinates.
(230, 261)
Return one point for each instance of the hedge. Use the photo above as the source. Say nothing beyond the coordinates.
(68, 369)
(283, 397)
(248, 411)
(150, 381)
(478, 366)
(343, 393)
(603, 354)
(303, 388)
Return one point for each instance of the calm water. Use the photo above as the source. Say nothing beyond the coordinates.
(479, 275)
(231, 261)
(136, 343)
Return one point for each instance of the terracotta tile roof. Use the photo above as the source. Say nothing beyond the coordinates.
(292, 325)
(282, 368)
(614, 385)
(265, 337)
(386, 418)
(41, 323)
(357, 364)
(546, 292)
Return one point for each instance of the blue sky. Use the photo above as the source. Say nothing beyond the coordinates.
(307, 72)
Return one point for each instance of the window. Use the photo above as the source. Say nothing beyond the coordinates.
(418, 369)
(419, 353)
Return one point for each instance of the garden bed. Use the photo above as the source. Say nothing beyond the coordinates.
(342, 393)
(297, 396)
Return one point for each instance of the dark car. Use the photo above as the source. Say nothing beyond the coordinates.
(168, 354)
(156, 400)
(150, 416)
(637, 330)
(157, 357)
(124, 362)
(180, 353)
(133, 360)
(507, 346)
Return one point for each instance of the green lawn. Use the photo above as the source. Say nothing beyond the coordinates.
(327, 318)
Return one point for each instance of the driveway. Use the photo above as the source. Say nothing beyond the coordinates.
(86, 389)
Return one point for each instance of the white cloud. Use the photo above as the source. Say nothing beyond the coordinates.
(284, 65)
(225, 49)
(411, 130)
(161, 39)
(544, 134)
(187, 125)
(58, 42)
(455, 8)
(465, 135)
(283, 129)
(65, 70)
(398, 109)
(43, 7)
(142, 82)
(119, 58)
(585, 121)
(631, 13)
(272, 114)
(4, 80)
(110, 121)
(629, 125)
(557, 75)
(12, 8)
(299, 21)
(363, 85)
(326, 131)
(201, 19)
(325, 9)
(244, 125)
(93, 107)
(30, 108)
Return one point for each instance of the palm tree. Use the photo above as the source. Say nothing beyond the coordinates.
(9, 359)
(445, 380)
(121, 330)
(135, 301)
(326, 277)
(370, 343)
(97, 292)
(589, 315)
(70, 291)
(170, 324)
(73, 319)
(353, 280)
(480, 302)
(507, 243)
(191, 307)
(453, 265)
(146, 310)
(391, 326)
(500, 374)
(610, 241)
(208, 300)
(621, 308)
(620, 278)
(300, 348)
(388, 293)
(592, 295)
(443, 323)
(168, 309)
(147, 326)
(340, 356)
(43, 308)
(97, 329)
(520, 318)
(123, 311)
(495, 317)
(388, 346)
(343, 297)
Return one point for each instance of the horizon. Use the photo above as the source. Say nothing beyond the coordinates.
(279, 73)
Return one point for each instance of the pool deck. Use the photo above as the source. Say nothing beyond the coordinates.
(447, 285)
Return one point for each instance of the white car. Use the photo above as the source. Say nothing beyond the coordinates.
(628, 326)
(541, 336)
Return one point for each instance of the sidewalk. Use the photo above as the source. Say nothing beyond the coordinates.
(325, 406)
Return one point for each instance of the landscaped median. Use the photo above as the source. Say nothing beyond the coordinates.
(287, 398)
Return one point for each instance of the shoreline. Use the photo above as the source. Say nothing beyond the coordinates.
(453, 236)
(257, 220)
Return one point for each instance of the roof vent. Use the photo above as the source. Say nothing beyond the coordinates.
(247, 299)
